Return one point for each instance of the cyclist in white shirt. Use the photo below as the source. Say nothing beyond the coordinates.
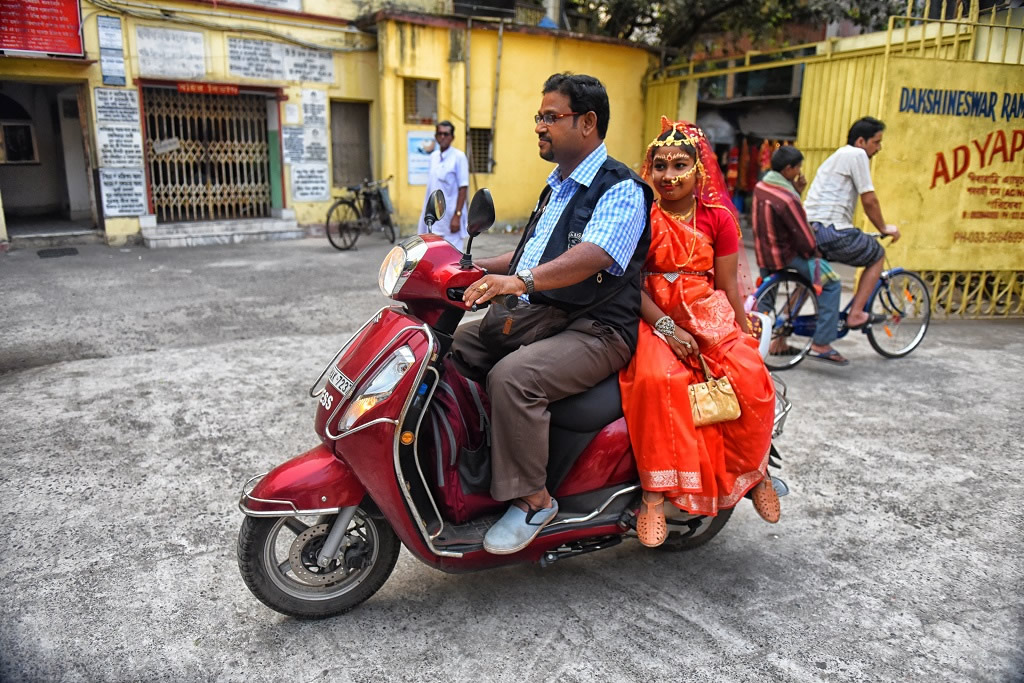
(831, 201)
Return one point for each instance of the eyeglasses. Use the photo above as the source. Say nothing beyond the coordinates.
(442, 133)
(549, 119)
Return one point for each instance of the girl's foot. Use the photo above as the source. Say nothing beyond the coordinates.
(651, 528)
(766, 500)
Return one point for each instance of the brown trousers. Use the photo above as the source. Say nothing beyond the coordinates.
(520, 386)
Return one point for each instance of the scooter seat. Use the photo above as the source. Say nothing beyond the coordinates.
(590, 411)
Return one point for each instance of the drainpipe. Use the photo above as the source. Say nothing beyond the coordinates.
(494, 108)
(469, 152)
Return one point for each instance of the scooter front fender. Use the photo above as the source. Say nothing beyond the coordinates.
(314, 483)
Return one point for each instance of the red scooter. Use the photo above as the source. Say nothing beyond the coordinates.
(322, 532)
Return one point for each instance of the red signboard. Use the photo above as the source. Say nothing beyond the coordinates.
(47, 26)
(207, 88)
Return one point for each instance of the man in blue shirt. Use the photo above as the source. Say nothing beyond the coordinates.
(577, 274)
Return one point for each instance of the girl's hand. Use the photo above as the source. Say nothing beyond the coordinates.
(683, 345)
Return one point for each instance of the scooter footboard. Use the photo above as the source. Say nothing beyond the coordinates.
(314, 483)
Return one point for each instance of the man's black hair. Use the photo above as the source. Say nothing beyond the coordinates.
(784, 156)
(585, 94)
(864, 128)
(450, 125)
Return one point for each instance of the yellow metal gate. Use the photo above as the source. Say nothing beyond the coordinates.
(207, 155)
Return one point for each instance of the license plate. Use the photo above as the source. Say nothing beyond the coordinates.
(342, 383)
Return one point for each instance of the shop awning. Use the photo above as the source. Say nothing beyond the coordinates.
(716, 128)
(772, 122)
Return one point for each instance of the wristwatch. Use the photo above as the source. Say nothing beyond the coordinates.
(526, 275)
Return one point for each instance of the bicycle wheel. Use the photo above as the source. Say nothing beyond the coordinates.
(792, 307)
(381, 219)
(904, 300)
(342, 224)
(389, 229)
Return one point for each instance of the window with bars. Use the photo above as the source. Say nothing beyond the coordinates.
(420, 100)
(480, 150)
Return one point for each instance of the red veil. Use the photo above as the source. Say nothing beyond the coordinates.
(711, 189)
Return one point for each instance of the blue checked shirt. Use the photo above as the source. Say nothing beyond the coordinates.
(615, 226)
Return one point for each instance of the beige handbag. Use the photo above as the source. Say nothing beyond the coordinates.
(713, 400)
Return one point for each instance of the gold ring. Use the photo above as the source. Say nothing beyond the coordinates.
(483, 287)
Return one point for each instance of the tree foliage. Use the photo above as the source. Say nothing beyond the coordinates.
(679, 23)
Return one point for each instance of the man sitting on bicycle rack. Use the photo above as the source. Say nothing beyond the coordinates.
(831, 201)
(783, 239)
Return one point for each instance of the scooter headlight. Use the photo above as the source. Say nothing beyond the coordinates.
(380, 386)
(397, 265)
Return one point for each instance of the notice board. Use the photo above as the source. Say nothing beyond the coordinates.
(46, 26)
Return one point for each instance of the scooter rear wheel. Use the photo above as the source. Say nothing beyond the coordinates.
(277, 559)
(708, 529)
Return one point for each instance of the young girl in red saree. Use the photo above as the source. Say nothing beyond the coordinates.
(691, 305)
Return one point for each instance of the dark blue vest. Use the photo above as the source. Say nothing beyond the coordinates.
(609, 299)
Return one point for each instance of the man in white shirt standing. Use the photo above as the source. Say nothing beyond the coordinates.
(831, 201)
(449, 172)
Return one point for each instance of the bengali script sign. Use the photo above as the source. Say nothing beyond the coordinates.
(47, 26)
(951, 170)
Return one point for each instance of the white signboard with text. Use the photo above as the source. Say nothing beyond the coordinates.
(310, 183)
(119, 144)
(117, 106)
(268, 60)
(170, 52)
(123, 191)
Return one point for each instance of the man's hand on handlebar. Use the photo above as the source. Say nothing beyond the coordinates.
(490, 286)
(892, 231)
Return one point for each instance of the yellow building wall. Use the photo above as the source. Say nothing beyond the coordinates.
(412, 51)
(354, 62)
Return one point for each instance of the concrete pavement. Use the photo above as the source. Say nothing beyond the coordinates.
(140, 388)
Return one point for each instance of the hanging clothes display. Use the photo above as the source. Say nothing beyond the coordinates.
(741, 184)
(732, 170)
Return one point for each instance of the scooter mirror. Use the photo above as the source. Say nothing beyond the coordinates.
(481, 212)
(435, 208)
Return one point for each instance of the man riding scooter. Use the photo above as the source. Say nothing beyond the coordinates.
(567, 311)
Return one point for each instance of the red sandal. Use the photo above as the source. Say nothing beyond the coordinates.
(651, 528)
(766, 500)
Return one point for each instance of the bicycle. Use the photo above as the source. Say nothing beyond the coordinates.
(789, 301)
(368, 209)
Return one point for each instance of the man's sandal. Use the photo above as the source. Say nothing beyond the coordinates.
(651, 528)
(766, 500)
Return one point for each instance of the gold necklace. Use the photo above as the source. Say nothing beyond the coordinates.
(684, 217)
(685, 220)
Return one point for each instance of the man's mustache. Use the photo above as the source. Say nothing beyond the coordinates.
(543, 138)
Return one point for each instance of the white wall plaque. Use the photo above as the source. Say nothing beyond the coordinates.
(310, 183)
(119, 144)
(109, 30)
(123, 191)
(170, 52)
(119, 106)
(314, 107)
(292, 144)
(275, 61)
(255, 58)
(301, 64)
(291, 113)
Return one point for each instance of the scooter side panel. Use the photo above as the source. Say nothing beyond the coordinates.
(315, 480)
(607, 461)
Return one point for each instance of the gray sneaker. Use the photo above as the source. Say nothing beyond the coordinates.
(516, 529)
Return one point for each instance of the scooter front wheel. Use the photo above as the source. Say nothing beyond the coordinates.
(278, 560)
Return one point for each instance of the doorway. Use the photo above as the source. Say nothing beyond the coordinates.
(350, 142)
(45, 176)
(207, 155)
